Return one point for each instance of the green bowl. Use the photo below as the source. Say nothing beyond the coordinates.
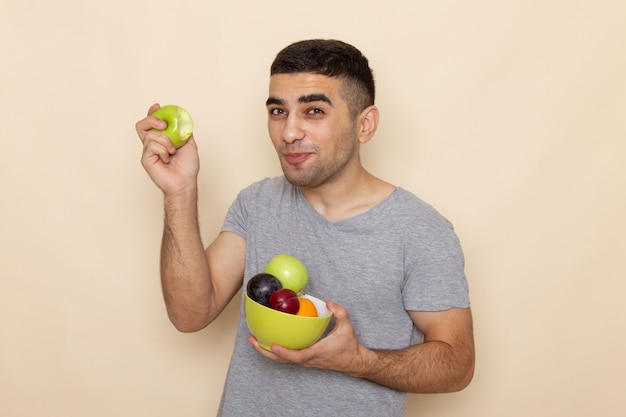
(271, 326)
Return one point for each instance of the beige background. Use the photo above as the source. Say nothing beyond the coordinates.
(508, 116)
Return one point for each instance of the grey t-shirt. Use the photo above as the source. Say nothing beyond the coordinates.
(400, 255)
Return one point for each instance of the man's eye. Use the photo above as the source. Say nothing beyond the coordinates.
(276, 111)
(315, 111)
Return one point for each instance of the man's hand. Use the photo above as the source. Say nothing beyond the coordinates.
(172, 170)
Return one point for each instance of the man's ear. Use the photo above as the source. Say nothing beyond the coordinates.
(368, 123)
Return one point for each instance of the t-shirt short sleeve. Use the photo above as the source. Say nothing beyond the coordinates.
(435, 278)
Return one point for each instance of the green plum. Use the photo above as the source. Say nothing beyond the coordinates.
(290, 271)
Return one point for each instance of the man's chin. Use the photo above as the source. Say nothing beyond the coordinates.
(299, 179)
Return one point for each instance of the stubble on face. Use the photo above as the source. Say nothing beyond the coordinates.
(327, 165)
(331, 142)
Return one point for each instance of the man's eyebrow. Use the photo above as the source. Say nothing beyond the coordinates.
(309, 98)
(275, 101)
(315, 97)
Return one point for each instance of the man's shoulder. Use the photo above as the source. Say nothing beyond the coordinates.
(407, 200)
(407, 205)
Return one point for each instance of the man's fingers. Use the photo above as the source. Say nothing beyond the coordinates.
(153, 148)
(149, 122)
(270, 355)
(338, 310)
(153, 108)
(144, 126)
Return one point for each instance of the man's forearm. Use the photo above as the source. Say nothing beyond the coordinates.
(184, 268)
(431, 367)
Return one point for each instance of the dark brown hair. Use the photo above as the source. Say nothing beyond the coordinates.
(331, 58)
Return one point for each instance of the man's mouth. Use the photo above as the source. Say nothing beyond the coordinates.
(295, 158)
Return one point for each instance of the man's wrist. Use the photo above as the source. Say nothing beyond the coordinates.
(182, 197)
(363, 362)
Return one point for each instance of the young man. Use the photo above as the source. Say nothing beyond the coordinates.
(389, 264)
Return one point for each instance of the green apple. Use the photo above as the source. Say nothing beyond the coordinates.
(179, 123)
(290, 271)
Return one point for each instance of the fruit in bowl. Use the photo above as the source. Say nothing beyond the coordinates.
(278, 311)
(290, 271)
(284, 300)
(292, 331)
(262, 286)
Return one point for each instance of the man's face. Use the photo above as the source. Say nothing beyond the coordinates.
(311, 128)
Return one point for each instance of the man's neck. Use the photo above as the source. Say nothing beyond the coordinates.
(340, 200)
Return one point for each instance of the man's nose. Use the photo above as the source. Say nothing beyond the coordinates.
(293, 129)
